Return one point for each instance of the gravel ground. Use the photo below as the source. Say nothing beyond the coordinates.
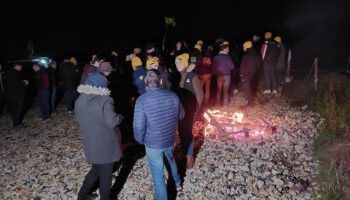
(44, 160)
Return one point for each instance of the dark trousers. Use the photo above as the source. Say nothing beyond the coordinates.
(44, 98)
(248, 90)
(15, 108)
(53, 100)
(270, 76)
(185, 133)
(2, 101)
(70, 97)
(101, 173)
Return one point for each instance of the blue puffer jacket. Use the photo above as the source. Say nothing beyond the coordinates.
(156, 114)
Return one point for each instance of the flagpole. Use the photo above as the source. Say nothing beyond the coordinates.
(164, 36)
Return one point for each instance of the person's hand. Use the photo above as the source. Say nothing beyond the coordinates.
(25, 82)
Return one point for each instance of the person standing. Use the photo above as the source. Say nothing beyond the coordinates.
(98, 123)
(156, 114)
(248, 70)
(190, 92)
(2, 90)
(53, 75)
(69, 77)
(270, 51)
(222, 68)
(15, 93)
(281, 64)
(43, 89)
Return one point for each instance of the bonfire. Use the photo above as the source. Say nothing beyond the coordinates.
(235, 126)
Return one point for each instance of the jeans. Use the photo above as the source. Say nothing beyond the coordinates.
(43, 96)
(223, 84)
(101, 173)
(53, 98)
(156, 165)
(205, 80)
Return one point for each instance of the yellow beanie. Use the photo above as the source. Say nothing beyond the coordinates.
(73, 60)
(278, 39)
(154, 62)
(268, 35)
(137, 50)
(114, 53)
(183, 58)
(200, 42)
(248, 44)
(136, 61)
(198, 46)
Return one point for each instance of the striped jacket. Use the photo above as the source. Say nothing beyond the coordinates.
(156, 114)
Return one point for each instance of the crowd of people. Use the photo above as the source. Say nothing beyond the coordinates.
(154, 95)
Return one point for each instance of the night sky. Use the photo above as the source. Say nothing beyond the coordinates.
(309, 28)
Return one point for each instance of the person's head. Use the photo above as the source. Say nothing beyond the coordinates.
(136, 62)
(36, 67)
(153, 79)
(73, 61)
(17, 66)
(247, 45)
(200, 42)
(150, 48)
(198, 46)
(152, 63)
(105, 67)
(137, 50)
(268, 35)
(255, 38)
(114, 53)
(181, 62)
(225, 46)
(53, 64)
(178, 45)
(278, 39)
(97, 60)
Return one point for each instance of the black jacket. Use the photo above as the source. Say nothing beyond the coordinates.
(250, 64)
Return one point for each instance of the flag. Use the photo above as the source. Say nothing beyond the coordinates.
(170, 21)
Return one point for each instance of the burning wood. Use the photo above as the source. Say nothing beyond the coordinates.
(234, 125)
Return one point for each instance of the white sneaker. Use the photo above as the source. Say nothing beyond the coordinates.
(266, 92)
(235, 91)
(179, 188)
(274, 92)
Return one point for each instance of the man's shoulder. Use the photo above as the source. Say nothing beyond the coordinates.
(154, 93)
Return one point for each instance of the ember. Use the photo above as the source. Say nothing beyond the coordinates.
(234, 126)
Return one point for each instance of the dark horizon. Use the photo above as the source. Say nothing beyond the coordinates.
(310, 29)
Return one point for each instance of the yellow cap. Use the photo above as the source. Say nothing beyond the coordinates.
(152, 63)
(73, 60)
(198, 46)
(268, 35)
(114, 53)
(137, 50)
(248, 44)
(278, 39)
(183, 58)
(136, 61)
(200, 42)
(225, 43)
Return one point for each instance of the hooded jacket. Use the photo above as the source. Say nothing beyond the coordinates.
(95, 114)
